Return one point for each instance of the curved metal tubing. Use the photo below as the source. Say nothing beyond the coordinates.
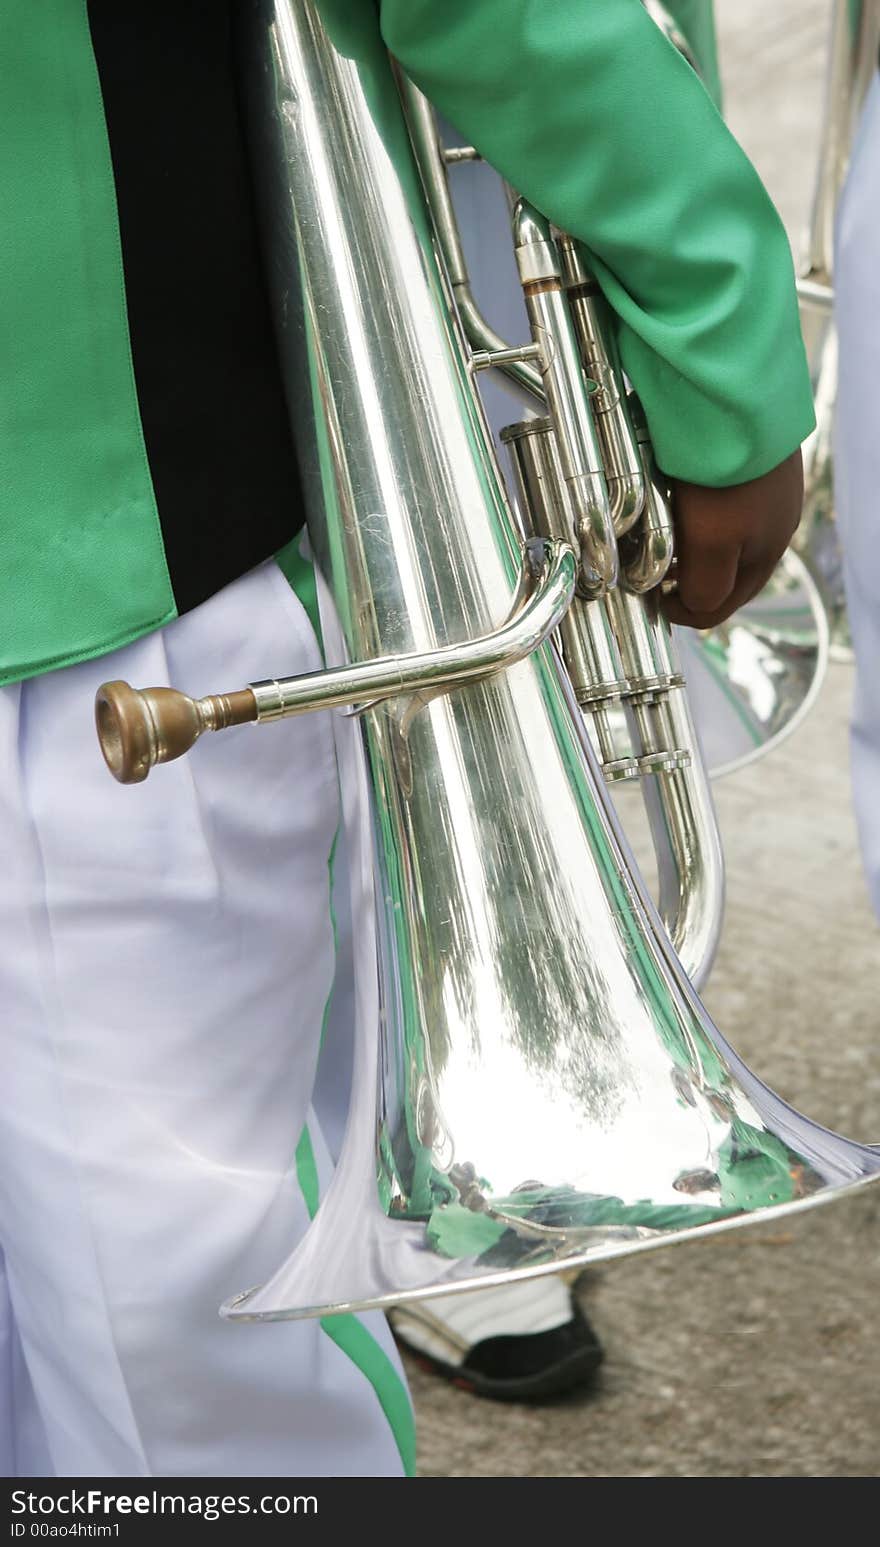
(139, 728)
(580, 457)
(624, 472)
(677, 795)
(687, 845)
(852, 62)
(551, 1091)
(812, 293)
(647, 552)
(674, 787)
(753, 679)
(627, 681)
(547, 581)
(432, 164)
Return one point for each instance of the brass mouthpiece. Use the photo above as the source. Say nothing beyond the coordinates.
(138, 729)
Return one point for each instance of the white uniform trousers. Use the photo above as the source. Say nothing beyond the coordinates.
(166, 964)
(857, 463)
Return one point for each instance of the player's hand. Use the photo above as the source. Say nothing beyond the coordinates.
(729, 541)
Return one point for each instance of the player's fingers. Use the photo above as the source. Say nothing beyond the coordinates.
(750, 579)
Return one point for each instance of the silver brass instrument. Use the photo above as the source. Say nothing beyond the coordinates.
(752, 680)
(550, 1089)
(852, 61)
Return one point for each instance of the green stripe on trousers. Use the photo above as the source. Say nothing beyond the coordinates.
(352, 1337)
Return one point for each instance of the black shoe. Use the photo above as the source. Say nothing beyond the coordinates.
(511, 1366)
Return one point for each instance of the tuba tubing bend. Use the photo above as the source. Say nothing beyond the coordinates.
(138, 728)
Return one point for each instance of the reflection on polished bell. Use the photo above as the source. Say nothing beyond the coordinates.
(539, 1086)
(752, 680)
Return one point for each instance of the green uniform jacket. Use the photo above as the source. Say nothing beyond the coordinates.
(582, 104)
(696, 18)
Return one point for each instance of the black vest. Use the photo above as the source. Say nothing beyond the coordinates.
(208, 380)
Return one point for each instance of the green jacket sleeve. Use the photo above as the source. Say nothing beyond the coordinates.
(696, 18)
(587, 109)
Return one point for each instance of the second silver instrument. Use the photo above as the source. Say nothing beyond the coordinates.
(854, 40)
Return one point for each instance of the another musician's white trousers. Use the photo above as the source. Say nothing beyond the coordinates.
(857, 463)
(166, 961)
